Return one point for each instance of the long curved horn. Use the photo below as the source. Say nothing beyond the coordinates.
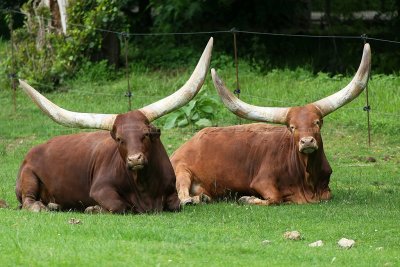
(352, 90)
(185, 93)
(244, 110)
(68, 118)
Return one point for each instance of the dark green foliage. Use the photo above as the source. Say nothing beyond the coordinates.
(96, 72)
(287, 16)
(348, 6)
(199, 112)
(46, 56)
(186, 15)
(5, 13)
(49, 58)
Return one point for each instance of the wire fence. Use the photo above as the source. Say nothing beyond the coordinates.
(230, 31)
(127, 96)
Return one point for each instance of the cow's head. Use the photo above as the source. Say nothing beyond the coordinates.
(304, 123)
(132, 131)
(135, 137)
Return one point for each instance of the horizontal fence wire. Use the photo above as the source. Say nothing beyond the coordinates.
(362, 37)
(122, 95)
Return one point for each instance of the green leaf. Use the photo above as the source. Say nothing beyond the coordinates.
(189, 107)
(195, 116)
(171, 119)
(207, 109)
(203, 123)
(183, 122)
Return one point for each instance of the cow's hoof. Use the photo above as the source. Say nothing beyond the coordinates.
(94, 209)
(37, 206)
(246, 200)
(188, 201)
(204, 198)
(53, 206)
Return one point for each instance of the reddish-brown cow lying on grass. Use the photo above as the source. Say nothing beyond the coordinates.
(266, 164)
(123, 169)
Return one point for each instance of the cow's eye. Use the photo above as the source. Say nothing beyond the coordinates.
(119, 140)
(318, 122)
(146, 135)
(292, 128)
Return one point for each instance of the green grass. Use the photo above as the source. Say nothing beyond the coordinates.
(365, 207)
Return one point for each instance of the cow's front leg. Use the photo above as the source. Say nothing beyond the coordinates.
(267, 189)
(54, 206)
(172, 202)
(183, 183)
(252, 200)
(201, 198)
(95, 209)
(28, 191)
(108, 199)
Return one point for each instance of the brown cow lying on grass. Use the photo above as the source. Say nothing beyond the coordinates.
(123, 169)
(266, 164)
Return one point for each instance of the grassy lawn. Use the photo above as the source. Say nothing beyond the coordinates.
(365, 207)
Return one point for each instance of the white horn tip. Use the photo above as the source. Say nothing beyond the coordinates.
(21, 82)
(216, 79)
(213, 71)
(25, 86)
(209, 45)
(367, 50)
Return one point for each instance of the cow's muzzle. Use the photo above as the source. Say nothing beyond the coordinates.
(136, 161)
(308, 145)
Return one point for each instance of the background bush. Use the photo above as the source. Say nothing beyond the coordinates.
(46, 57)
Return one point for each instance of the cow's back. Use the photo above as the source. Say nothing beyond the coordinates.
(64, 165)
(224, 159)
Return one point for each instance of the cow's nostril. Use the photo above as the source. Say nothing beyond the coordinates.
(136, 157)
(308, 140)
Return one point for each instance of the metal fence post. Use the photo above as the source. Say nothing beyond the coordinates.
(367, 108)
(237, 90)
(129, 92)
(12, 74)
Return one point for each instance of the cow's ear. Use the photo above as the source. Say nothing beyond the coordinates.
(154, 132)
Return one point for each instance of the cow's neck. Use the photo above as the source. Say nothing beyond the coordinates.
(305, 165)
(143, 179)
(310, 165)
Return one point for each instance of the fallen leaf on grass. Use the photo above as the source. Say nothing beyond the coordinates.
(346, 243)
(266, 242)
(3, 204)
(318, 243)
(292, 235)
(74, 221)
